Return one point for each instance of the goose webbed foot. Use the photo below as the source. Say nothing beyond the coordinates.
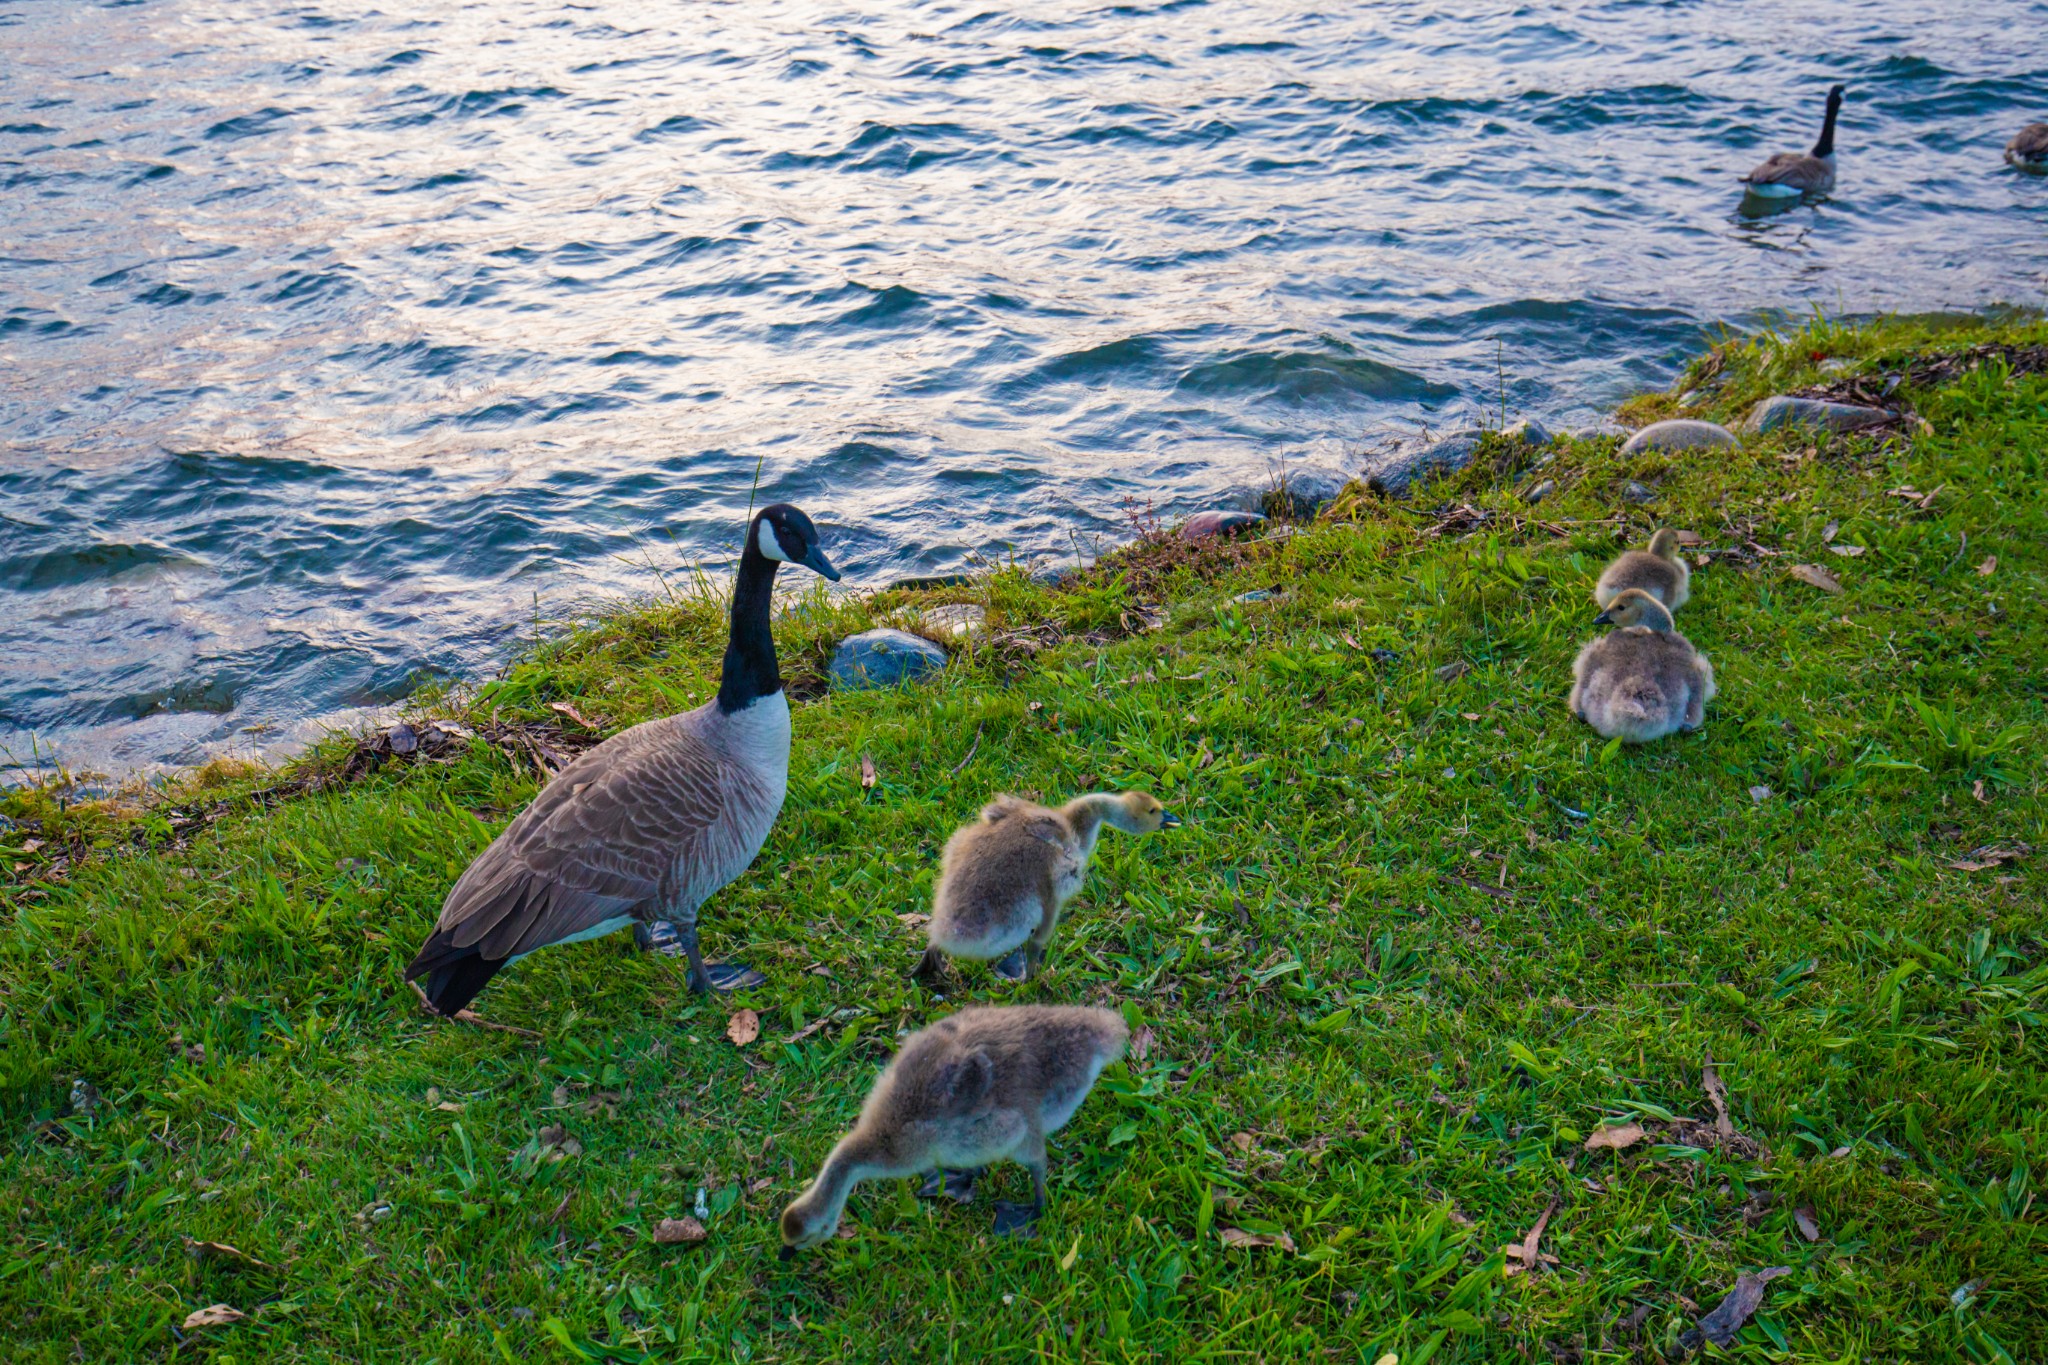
(727, 976)
(658, 937)
(1011, 968)
(1017, 1220)
(957, 1186)
(705, 977)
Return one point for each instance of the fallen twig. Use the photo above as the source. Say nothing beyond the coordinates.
(467, 1016)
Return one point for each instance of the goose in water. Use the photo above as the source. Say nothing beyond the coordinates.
(976, 1087)
(1660, 571)
(1791, 175)
(645, 827)
(1643, 680)
(2028, 149)
(1004, 877)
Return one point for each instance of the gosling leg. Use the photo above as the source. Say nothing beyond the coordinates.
(1015, 967)
(1016, 1220)
(930, 968)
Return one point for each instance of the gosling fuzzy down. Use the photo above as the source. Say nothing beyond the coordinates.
(979, 1086)
(2028, 149)
(1660, 571)
(1004, 878)
(1644, 680)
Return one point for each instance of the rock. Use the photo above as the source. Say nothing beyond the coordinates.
(1834, 364)
(1398, 473)
(1784, 411)
(1637, 493)
(1304, 490)
(883, 658)
(1681, 433)
(955, 621)
(1540, 492)
(1530, 431)
(1599, 431)
(1255, 595)
(402, 738)
(1219, 523)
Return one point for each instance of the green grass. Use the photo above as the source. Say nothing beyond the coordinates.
(1421, 938)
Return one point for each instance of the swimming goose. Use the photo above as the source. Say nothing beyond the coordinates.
(1003, 878)
(2028, 149)
(646, 826)
(1659, 571)
(1644, 680)
(1788, 175)
(976, 1087)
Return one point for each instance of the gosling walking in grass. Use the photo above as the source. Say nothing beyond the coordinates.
(1004, 877)
(1643, 680)
(977, 1087)
(1659, 571)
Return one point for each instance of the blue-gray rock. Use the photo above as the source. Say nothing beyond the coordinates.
(1681, 433)
(1784, 411)
(1398, 473)
(1637, 493)
(1529, 431)
(1599, 431)
(883, 658)
(1301, 492)
(1540, 492)
(1219, 523)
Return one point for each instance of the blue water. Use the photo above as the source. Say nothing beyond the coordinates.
(339, 343)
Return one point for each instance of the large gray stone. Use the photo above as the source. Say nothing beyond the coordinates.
(1599, 431)
(883, 658)
(1784, 411)
(1303, 491)
(1398, 473)
(1529, 431)
(1680, 433)
(1221, 522)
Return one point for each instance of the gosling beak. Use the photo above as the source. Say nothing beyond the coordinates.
(788, 1253)
(1167, 819)
(1603, 619)
(816, 562)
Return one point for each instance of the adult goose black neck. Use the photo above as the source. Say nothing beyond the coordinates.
(750, 671)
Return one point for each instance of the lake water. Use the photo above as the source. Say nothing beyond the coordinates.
(339, 343)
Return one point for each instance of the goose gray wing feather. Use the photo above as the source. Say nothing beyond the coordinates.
(657, 814)
(1789, 168)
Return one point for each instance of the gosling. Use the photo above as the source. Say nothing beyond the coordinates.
(1003, 878)
(976, 1087)
(1644, 680)
(1659, 571)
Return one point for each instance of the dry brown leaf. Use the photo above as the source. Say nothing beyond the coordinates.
(1242, 1141)
(1721, 1325)
(1848, 551)
(759, 1185)
(1617, 1137)
(1827, 532)
(1816, 576)
(201, 1251)
(1987, 857)
(449, 1107)
(1141, 1043)
(672, 1231)
(219, 1315)
(1523, 1255)
(1689, 538)
(1989, 566)
(867, 771)
(1238, 1237)
(557, 1145)
(1808, 1225)
(808, 1029)
(1718, 1094)
(1451, 672)
(562, 708)
(1977, 790)
(912, 920)
(743, 1028)
(1759, 794)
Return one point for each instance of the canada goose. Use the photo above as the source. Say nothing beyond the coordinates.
(646, 826)
(1788, 175)
(1659, 571)
(984, 1084)
(2028, 149)
(1003, 878)
(1643, 680)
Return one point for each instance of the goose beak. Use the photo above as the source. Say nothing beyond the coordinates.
(1603, 619)
(816, 562)
(1167, 819)
(788, 1253)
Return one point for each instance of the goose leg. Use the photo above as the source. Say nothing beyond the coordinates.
(957, 1186)
(931, 967)
(714, 976)
(1015, 1220)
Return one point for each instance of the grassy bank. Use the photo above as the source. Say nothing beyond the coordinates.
(1424, 936)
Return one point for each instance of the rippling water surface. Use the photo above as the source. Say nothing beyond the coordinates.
(339, 341)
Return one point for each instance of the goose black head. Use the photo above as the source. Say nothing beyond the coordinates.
(1835, 96)
(782, 532)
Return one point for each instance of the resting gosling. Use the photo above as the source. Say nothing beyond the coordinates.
(1004, 877)
(1659, 571)
(984, 1084)
(1644, 680)
(2028, 149)
(1790, 175)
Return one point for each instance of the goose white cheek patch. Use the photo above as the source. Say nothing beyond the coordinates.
(764, 540)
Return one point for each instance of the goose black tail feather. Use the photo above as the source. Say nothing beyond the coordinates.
(454, 975)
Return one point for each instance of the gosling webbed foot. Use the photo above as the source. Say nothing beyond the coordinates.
(957, 1186)
(1016, 1220)
(931, 968)
(1012, 968)
(727, 976)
